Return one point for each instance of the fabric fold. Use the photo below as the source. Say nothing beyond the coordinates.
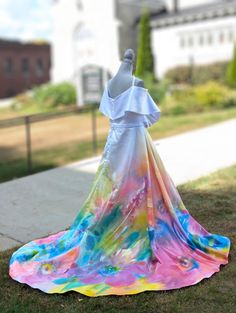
(138, 101)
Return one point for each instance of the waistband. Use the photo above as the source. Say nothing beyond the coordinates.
(115, 125)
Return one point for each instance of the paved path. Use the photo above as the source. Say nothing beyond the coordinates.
(47, 202)
(5, 103)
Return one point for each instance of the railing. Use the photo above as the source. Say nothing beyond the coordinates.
(28, 120)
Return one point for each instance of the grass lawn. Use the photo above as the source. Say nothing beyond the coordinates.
(173, 125)
(212, 201)
(64, 140)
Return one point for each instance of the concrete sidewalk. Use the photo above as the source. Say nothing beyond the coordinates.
(45, 203)
(5, 103)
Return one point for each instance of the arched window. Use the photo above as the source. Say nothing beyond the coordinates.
(82, 32)
(79, 4)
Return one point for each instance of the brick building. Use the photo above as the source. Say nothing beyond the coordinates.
(22, 66)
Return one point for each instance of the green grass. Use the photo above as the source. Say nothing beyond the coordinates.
(55, 156)
(212, 201)
(49, 158)
(172, 125)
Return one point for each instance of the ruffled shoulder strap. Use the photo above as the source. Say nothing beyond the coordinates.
(135, 99)
(141, 102)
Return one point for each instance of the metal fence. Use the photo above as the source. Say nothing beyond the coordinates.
(27, 121)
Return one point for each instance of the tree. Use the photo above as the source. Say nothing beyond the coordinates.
(231, 70)
(144, 64)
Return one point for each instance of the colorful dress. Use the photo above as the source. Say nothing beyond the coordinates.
(133, 232)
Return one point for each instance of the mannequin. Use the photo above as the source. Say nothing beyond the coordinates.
(123, 79)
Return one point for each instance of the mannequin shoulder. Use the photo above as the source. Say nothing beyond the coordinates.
(139, 82)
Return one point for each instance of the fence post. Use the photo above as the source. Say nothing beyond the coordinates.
(94, 129)
(28, 144)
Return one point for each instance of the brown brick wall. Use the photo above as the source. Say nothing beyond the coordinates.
(15, 81)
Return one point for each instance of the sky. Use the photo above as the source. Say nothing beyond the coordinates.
(26, 19)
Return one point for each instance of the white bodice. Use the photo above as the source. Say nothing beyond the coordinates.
(133, 107)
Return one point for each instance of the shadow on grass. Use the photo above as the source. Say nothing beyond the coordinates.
(9, 153)
(48, 158)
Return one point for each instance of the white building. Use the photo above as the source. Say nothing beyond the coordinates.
(200, 34)
(98, 33)
(85, 32)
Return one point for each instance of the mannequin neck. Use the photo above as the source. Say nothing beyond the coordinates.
(125, 67)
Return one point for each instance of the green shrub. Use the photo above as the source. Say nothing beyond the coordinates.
(197, 74)
(205, 73)
(45, 97)
(178, 74)
(231, 71)
(230, 100)
(181, 101)
(209, 96)
(21, 101)
(159, 90)
(145, 62)
(55, 95)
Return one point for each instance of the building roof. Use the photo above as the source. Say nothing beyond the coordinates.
(194, 14)
(5, 43)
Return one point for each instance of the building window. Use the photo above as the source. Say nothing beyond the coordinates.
(190, 41)
(221, 37)
(201, 40)
(182, 42)
(230, 36)
(39, 67)
(79, 4)
(25, 65)
(9, 93)
(209, 39)
(8, 65)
